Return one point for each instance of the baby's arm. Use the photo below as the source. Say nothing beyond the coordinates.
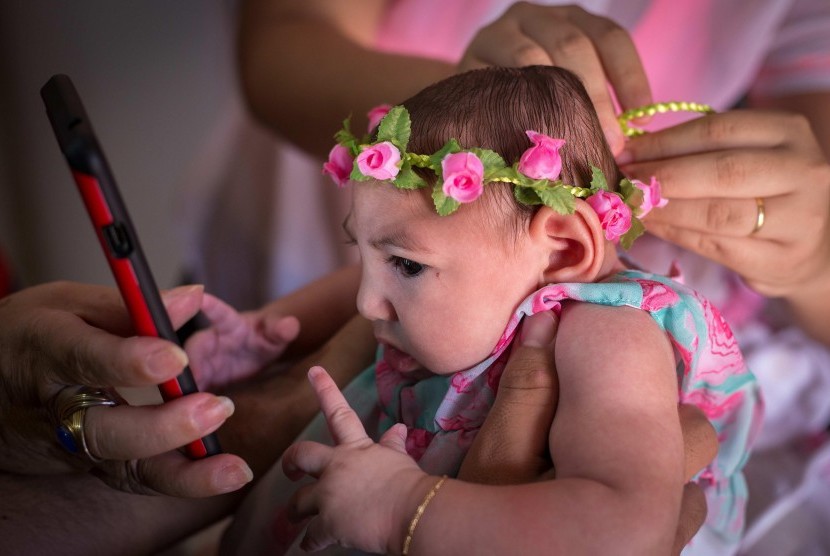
(615, 409)
(616, 445)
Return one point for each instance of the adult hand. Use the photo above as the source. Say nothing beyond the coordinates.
(65, 334)
(714, 168)
(595, 48)
(512, 446)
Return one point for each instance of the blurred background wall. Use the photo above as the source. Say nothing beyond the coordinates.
(154, 77)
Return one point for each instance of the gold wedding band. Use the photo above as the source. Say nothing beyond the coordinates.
(69, 410)
(761, 217)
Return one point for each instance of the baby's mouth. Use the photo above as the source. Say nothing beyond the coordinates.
(400, 361)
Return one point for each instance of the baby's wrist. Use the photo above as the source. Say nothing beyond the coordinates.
(409, 505)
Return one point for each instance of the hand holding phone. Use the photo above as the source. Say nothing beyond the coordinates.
(116, 233)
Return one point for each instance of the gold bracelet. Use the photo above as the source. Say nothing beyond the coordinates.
(418, 513)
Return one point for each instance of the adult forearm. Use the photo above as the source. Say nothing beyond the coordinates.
(302, 76)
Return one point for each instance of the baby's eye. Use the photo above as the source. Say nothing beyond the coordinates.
(407, 267)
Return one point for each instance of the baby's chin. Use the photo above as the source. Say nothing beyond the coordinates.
(404, 363)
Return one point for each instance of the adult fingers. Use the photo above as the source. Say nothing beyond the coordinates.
(343, 422)
(736, 129)
(727, 217)
(174, 474)
(125, 432)
(572, 48)
(602, 53)
(735, 174)
(94, 357)
(692, 516)
(598, 50)
(512, 445)
(699, 439)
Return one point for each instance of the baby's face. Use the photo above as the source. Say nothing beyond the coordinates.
(438, 289)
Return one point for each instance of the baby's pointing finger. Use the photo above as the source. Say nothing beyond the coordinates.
(343, 422)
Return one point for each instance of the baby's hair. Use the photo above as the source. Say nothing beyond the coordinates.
(492, 107)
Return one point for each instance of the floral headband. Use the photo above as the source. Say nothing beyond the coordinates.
(462, 174)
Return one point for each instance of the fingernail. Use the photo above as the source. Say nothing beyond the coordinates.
(167, 361)
(183, 291)
(233, 477)
(539, 330)
(214, 412)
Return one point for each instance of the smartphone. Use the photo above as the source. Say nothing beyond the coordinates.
(116, 233)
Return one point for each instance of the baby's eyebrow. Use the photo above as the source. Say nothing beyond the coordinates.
(401, 240)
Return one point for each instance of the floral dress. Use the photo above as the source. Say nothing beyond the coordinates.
(444, 413)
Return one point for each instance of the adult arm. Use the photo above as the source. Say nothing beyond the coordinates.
(307, 65)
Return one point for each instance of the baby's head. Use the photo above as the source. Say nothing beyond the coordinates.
(493, 108)
(441, 289)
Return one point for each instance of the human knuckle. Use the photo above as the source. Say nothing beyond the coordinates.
(528, 55)
(528, 377)
(720, 216)
(573, 43)
(610, 32)
(729, 169)
(715, 130)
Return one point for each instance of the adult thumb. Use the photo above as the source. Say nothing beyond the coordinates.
(512, 445)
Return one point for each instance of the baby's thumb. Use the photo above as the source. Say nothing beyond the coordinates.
(395, 438)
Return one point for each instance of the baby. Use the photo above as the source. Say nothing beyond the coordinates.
(484, 198)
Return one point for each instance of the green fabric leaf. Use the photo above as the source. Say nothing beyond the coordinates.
(395, 127)
(632, 195)
(408, 179)
(357, 175)
(636, 230)
(598, 179)
(557, 198)
(526, 196)
(449, 147)
(491, 160)
(346, 138)
(443, 205)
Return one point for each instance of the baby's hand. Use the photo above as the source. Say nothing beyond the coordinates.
(237, 345)
(365, 493)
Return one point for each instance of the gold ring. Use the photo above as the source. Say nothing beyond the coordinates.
(761, 217)
(69, 410)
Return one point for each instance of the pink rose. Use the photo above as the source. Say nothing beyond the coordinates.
(339, 166)
(542, 160)
(614, 214)
(652, 197)
(376, 114)
(380, 161)
(463, 176)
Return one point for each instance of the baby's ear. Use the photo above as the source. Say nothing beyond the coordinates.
(574, 243)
